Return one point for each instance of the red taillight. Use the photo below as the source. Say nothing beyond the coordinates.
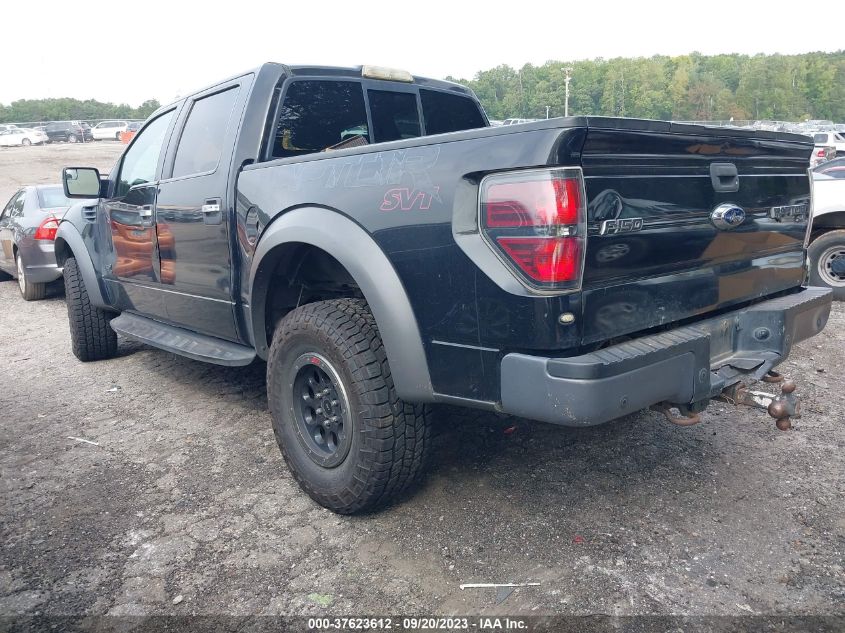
(545, 259)
(820, 153)
(533, 203)
(537, 221)
(47, 229)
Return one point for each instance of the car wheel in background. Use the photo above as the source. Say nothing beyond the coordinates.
(117, 136)
(71, 138)
(29, 291)
(827, 262)
(26, 142)
(90, 333)
(349, 441)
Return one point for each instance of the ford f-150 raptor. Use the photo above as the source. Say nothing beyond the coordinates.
(369, 236)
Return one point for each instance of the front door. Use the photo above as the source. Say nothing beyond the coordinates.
(132, 267)
(193, 217)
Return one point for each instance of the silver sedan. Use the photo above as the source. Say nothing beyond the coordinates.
(28, 226)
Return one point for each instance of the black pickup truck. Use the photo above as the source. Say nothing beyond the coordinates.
(370, 237)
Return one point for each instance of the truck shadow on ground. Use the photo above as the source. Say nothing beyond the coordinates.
(469, 443)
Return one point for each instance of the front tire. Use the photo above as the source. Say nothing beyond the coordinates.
(349, 441)
(90, 333)
(71, 138)
(827, 262)
(26, 142)
(29, 291)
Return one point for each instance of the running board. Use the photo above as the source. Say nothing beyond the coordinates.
(183, 342)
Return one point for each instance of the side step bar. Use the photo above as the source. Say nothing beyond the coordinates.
(183, 342)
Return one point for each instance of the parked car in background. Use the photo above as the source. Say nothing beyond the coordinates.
(827, 239)
(109, 130)
(822, 154)
(28, 226)
(517, 121)
(22, 136)
(834, 168)
(131, 130)
(832, 139)
(69, 131)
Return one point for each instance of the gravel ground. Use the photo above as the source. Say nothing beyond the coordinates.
(152, 484)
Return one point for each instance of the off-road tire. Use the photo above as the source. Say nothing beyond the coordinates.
(390, 439)
(90, 333)
(29, 291)
(819, 248)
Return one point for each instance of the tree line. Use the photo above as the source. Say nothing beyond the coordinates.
(66, 109)
(686, 87)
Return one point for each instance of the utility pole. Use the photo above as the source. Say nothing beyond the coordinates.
(567, 79)
(547, 112)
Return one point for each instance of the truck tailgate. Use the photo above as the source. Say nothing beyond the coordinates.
(686, 220)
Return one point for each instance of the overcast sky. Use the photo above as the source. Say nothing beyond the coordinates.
(130, 52)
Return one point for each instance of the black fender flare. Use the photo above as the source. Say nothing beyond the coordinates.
(356, 250)
(68, 238)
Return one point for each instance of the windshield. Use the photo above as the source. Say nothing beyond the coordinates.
(51, 197)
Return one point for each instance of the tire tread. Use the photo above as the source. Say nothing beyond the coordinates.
(396, 442)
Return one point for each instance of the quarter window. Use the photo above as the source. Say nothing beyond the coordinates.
(201, 143)
(319, 115)
(444, 112)
(141, 159)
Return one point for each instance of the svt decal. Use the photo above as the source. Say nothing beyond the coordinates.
(408, 199)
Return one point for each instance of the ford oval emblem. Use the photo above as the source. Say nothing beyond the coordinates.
(727, 216)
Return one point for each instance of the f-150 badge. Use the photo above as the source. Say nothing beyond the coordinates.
(621, 225)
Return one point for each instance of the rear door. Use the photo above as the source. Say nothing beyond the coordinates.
(685, 220)
(193, 214)
(132, 265)
(7, 232)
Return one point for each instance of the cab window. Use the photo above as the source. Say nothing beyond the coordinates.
(141, 159)
(444, 112)
(395, 115)
(317, 115)
(201, 143)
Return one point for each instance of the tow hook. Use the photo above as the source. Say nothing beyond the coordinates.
(782, 408)
(685, 419)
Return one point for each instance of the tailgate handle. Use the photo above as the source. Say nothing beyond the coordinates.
(724, 177)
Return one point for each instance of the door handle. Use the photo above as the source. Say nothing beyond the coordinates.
(724, 177)
(211, 207)
(212, 211)
(146, 211)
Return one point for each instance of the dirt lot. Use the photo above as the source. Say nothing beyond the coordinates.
(178, 502)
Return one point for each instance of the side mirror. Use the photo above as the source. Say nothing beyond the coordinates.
(81, 182)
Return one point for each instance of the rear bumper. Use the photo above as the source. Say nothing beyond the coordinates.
(39, 260)
(686, 365)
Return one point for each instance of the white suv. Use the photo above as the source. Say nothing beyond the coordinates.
(109, 130)
(830, 139)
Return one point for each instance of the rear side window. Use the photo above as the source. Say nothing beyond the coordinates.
(395, 115)
(319, 115)
(52, 197)
(201, 143)
(444, 112)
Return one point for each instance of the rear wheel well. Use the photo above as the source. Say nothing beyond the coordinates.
(62, 251)
(303, 273)
(827, 222)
